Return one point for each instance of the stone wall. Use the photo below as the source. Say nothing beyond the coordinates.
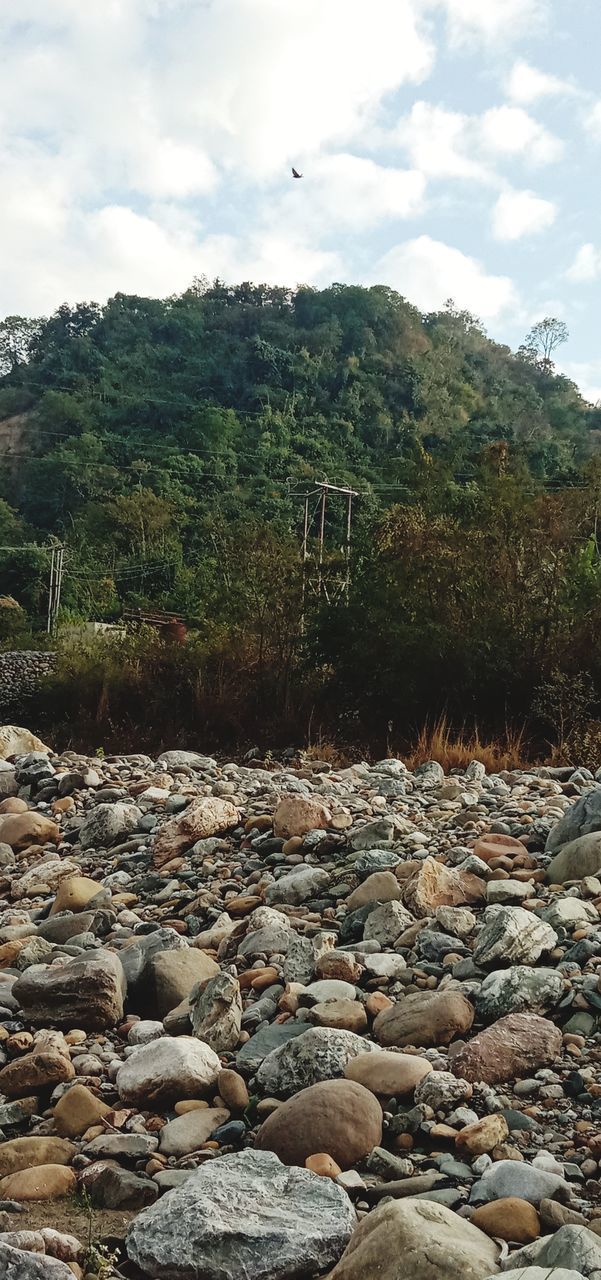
(20, 674)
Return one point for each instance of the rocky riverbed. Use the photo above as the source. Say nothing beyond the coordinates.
(282, 1021)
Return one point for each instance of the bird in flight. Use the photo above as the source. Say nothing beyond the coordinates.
(295, 173)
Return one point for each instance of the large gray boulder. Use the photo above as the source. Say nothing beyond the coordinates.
(108, 823)
(519, 989)
(579, 858)
(245, 1215)
(512, 935)
(572, 1247)
(298, 886)
(579, 820)
(16, 1264)
(318, 1054)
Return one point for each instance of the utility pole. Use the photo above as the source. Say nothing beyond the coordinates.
(57, 557)
(325, 585)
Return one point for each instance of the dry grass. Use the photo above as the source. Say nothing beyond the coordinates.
(455, 749)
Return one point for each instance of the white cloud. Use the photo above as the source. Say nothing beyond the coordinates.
(428, 272)
(527, 84)
(586, 265)
(586, 375)
(351, 193)
(521, 213)
(450, 144)
(269, 83)
(438, 141)
(592, 121)
(113, 111)
(511, 131)
(494, 20)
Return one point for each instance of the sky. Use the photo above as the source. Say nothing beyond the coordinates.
(449, 149)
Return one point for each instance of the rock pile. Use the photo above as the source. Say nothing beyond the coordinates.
(296, 1021)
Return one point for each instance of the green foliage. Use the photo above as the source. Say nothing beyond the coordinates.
(165, 442)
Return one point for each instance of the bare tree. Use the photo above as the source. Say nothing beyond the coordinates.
(542, 341)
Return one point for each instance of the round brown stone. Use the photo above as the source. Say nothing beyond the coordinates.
(337, 1117)
(508, 1219)
(388, 1075)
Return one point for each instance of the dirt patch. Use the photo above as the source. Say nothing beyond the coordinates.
(70, 1216)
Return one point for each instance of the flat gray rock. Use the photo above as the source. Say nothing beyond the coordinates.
(254, 1052)
(512, 1178)
(246, 1216)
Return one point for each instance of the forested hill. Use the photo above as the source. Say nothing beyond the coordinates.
(136, 430)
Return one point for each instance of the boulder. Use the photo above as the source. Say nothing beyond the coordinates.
(512, 1047)
(187, 1133)
(76, 892)
(208, 816)
(338, 1117)
(576, 860)
(382, 886)
(424, 1019)
(518, 1178)
(298, 886)
(108, 823)
(512, 935)
(433, 885)
(85, 993)
(580, 819)
(217, 1012)
(165, 1071)
(245, 1215)
(343, 1015)
(295, 815)
(15, 741)
(386, 923)
(418, 1239)
(186, 760)
(519, 989)
(41, 1069)
(15, 1264)
(77, 1110)
(388, 1075)
(318, 1054)
(508, 1219)
(572, 1247)
(173, 974)
(494, 845)
(27, 1153)
(136, 958)
(46, 1182)
(22, 829)
(484, 1135)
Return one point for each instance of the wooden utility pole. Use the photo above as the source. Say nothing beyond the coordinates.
(57, 557)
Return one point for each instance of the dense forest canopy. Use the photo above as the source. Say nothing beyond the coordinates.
(167, 443)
